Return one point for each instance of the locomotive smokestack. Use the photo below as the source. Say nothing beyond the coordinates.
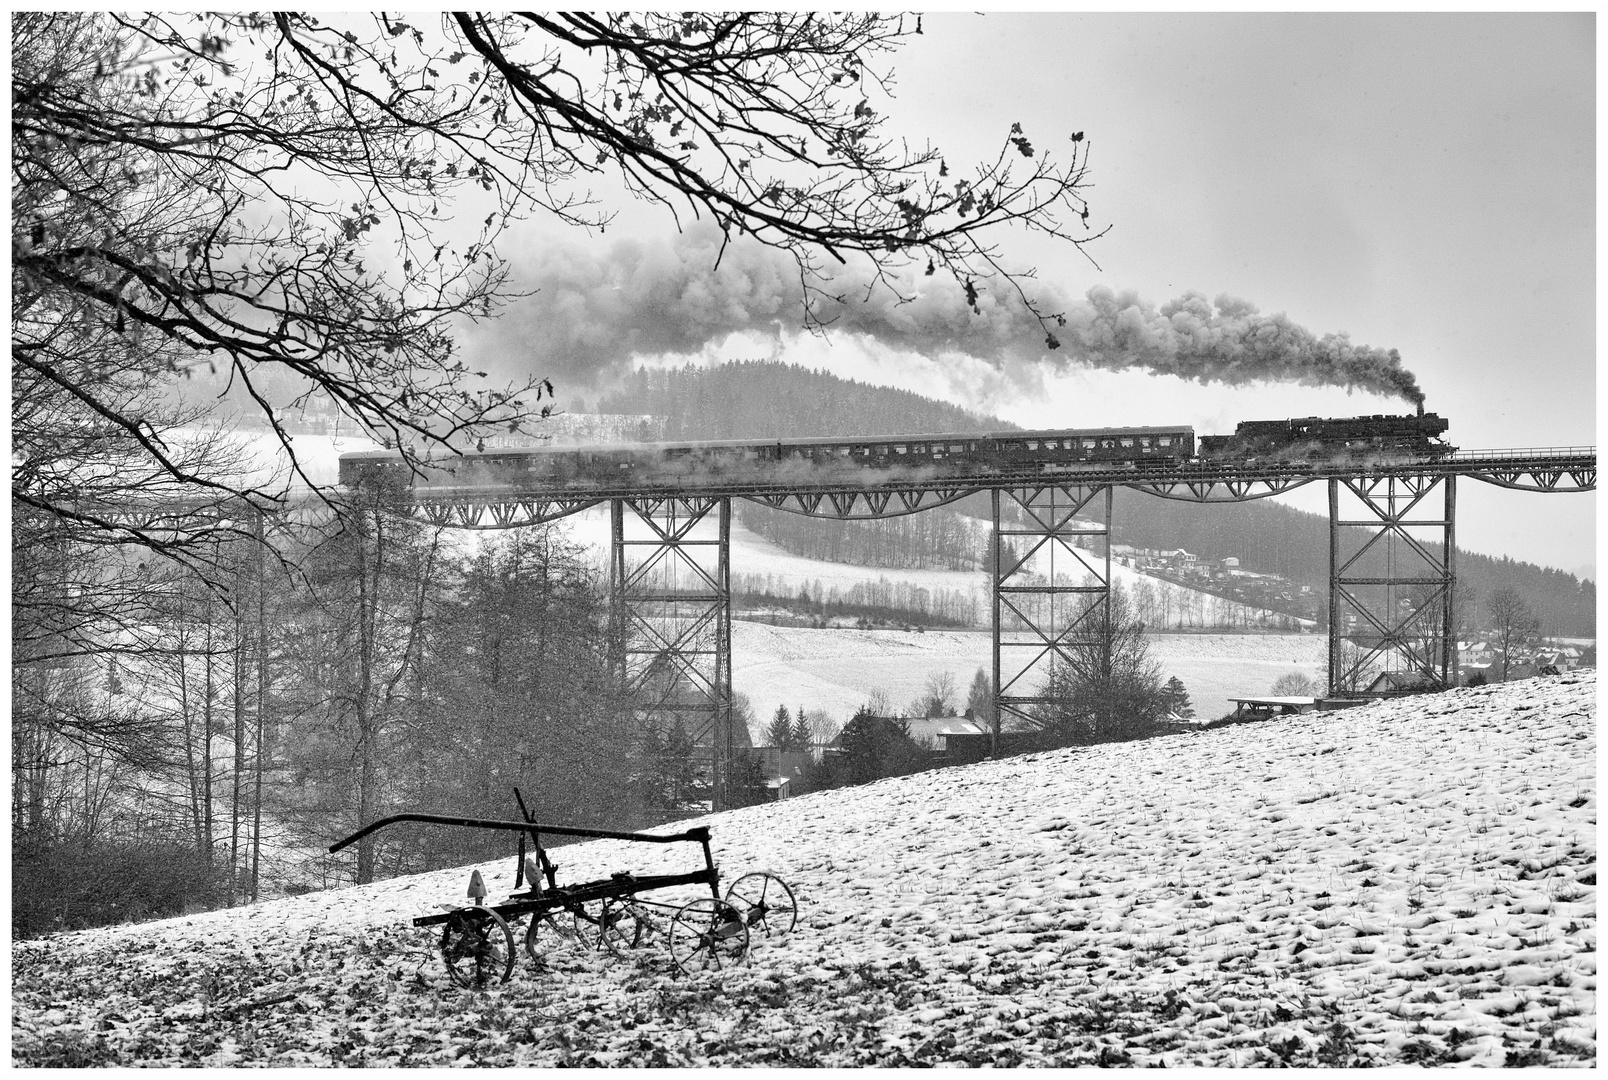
(1420, 406)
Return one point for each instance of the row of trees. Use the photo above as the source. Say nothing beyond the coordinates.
(935, 540)
(390, 669)
(871, 600)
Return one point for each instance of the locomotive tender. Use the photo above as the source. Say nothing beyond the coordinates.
(1309, 439)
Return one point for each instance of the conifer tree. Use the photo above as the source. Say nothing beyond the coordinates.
(803, 732)
(1175, 699)
(780, 732)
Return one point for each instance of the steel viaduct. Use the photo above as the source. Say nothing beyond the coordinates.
(1392, 554)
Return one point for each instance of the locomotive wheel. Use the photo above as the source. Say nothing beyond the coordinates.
(706, 935)
(477, 947)
(766, 903)
(549, 929)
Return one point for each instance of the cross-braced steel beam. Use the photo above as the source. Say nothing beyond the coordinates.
(1392, 584)
(496, 512)
(670, 578)
(1051, 591)
(861, 504)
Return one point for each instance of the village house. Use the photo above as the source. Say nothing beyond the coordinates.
(1397, 682)
(1178, 559)
(783, 769)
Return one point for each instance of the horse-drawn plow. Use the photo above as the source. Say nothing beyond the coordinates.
(478, 939)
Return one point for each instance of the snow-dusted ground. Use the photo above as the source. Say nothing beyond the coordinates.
(835, 671)
(1410, 882)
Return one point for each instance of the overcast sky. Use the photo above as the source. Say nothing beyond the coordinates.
(1422, 182)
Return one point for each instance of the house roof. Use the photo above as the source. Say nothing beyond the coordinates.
(1397, 680)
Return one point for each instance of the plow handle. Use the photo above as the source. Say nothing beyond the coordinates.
(698, 833)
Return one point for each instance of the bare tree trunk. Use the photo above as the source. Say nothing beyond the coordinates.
(238, 778)
(206, 744)
(368, 772)
(191, 770)
(262, 756)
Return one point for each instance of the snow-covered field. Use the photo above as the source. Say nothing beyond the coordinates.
(752, 554)
(835, 671)
(1413, 882)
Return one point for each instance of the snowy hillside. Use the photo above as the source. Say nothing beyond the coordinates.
(1412, 882)
(754, 556)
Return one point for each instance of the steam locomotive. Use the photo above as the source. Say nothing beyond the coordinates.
(1315, 438)
(1310, 439)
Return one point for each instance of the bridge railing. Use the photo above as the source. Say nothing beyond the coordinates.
(1526, 452)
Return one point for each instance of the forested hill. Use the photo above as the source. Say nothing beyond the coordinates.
(1271, 538)
(763, 399)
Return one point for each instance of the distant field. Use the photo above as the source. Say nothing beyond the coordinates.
(836, 670)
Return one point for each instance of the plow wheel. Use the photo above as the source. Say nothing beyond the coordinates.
(766, 903)
(706, 935)
(547, 930)
(478, 948)
(617, 923)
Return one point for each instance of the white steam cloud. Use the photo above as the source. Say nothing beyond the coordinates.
(591, 314)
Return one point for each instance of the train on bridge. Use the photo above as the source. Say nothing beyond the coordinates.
(1306, 440)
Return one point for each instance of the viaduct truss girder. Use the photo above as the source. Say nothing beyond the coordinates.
(1551, 470)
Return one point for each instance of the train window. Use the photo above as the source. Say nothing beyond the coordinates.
(751, 453)
(957, 448)
(1108, 443)
(1126, 441)
(1032, 444)
(1088, 444)
(1144, 442)
(900, 449)
(1163, 440)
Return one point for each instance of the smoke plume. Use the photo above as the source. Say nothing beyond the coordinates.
(591, 314)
